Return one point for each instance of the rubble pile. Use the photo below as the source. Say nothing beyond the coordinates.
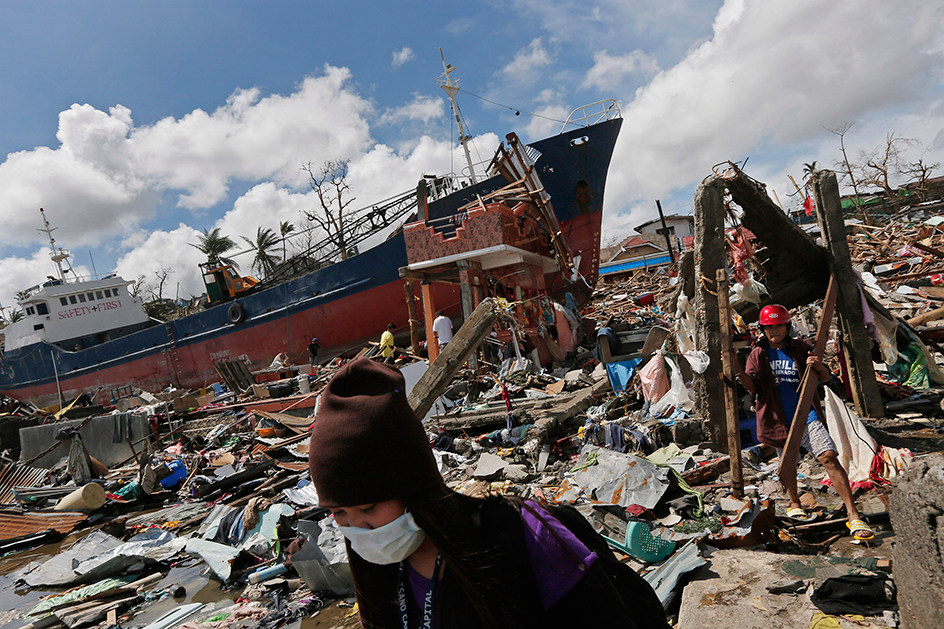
(217, 487)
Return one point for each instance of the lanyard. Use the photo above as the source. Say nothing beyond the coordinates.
(426, 620)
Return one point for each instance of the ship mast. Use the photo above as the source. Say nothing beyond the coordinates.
(58, 254)
(452, 88)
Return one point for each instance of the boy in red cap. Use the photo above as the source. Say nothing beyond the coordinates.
(773, 375)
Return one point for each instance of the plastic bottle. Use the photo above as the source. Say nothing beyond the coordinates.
(268, 573)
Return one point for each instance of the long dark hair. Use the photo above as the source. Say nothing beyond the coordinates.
(477, 579)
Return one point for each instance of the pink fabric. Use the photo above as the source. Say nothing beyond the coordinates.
(653, 379)
(741, 251)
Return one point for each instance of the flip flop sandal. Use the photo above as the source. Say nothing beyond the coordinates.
(799, 515)
(860, 531)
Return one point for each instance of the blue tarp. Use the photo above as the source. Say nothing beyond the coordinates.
(621, 372)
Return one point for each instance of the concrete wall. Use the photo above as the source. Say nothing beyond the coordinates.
(916, 508)
(97, 435)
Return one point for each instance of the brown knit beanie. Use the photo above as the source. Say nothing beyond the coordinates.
(367, 445)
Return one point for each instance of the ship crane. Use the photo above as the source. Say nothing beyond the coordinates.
(58, 254)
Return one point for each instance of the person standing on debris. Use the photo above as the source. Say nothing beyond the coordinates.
(773, 375)
(442, 329)
(386, 343)
(313, 348)
(424, 556)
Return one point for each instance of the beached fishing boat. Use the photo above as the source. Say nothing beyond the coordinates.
(82, 334)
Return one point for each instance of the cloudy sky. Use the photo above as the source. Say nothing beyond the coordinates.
(137, 125)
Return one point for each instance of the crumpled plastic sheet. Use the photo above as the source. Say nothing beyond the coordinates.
(219, 557)
(153, 545)
(78, 594)
(322, 562)
(621, 479)
(684, 325)
(305, 496)
(664, 578)
(57, 570)
(269, 521)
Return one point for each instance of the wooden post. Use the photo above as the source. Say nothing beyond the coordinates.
(807, 387)
(730, 386)
(414, 322)
(439, 376)
(466, 271)
(856, 343)
(429, 313)
(709, 257)
(665, 232)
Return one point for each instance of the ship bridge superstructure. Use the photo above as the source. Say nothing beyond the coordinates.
(74, 312)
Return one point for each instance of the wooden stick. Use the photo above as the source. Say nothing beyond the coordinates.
(728, 378)
(923, 247)
(921, 319)
(791, 448)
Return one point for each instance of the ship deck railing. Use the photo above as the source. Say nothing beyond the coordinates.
(591, 114)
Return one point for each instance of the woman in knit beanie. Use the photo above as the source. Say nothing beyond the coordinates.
(424, 556)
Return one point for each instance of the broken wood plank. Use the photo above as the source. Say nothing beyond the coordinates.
(807, 388)
(921, 319)
(708, 471)
(454, 355)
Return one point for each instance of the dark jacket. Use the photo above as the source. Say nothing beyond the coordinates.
(594, 601)
(773, 425)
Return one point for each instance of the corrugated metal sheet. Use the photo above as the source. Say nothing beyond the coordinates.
(636, 263)
(19, 524)
(18, 475)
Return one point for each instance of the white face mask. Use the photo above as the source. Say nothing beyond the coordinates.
(390, 543)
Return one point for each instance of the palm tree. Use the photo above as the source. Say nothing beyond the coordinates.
(15, 315)
(285, 228)
(809, 170)
(266, 239)
(214, 245)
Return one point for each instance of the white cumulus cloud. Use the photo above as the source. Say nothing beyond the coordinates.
(767, 83)
(528, 61)
(402, 56)
(421, 109)
(109, 173)
(609, 71)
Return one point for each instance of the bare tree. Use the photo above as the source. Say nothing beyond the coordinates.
(845, 168)
(881, 166)
(330, 184)
(161, 277)
(918, 174)
(139, 287)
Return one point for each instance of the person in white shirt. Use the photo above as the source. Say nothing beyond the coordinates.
(442, 329)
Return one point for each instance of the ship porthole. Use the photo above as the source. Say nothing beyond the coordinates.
(236, 314)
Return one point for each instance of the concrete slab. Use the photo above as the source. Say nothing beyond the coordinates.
(105, 438)
(731, 592)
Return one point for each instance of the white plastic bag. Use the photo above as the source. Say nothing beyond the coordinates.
(753, 292)
(684, 325)
(678, 395)
(698, 360)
